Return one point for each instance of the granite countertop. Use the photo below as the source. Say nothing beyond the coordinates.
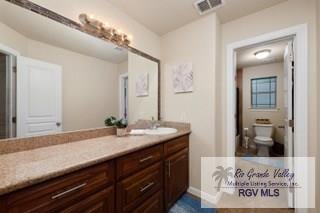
(25, 168)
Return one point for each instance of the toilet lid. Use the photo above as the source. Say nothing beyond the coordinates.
(263, 140)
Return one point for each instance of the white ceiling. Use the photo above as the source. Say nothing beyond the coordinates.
(32, 26)
(163, 16)
(246, 57)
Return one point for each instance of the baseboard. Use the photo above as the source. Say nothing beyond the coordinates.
(207, 198)
(194, 191)
(301, 210)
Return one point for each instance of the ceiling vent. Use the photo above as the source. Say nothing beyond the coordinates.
(206, 6)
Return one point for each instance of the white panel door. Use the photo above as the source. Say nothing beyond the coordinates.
(288, 88)
(288, 99)
(39, 98)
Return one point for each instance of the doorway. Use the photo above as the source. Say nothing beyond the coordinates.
(7, 95)
(264, 99)
(300, 112)
(299, 122)
(123, 96)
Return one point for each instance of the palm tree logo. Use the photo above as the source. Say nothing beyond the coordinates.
(222, 174)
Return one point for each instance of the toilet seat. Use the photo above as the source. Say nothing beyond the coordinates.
(263, 140)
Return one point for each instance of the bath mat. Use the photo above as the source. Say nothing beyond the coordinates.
(188, 204)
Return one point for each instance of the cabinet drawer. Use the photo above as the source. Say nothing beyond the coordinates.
(100, 202)
(176, 145)
(136, 161)
(53, 194)
(132, 191)
(152, 205)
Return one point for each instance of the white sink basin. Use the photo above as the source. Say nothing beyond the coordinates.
(160, 131)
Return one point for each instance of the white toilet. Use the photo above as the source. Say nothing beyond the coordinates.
(263, 138)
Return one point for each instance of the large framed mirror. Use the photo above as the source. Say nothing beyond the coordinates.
(55, 77)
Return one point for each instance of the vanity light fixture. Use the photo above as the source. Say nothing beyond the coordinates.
(262, 54)
(104, 30)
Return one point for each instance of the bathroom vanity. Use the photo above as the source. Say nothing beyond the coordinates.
(129, 174)
(55, 153)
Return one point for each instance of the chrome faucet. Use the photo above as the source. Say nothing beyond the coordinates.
(154, 123)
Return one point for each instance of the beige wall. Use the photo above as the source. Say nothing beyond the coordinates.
(12, 39)
(250, 115)
(90, 85)
(123, 67)
(196, 43)
(142, 107)
(284, 15)
(205, 107)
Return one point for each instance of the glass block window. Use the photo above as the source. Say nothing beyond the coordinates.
(264, 93)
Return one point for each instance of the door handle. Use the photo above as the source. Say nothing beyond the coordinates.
(58, 124)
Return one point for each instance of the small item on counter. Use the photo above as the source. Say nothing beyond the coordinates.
(121, 125)
(122, 132)
(110, 121)
(137, 132)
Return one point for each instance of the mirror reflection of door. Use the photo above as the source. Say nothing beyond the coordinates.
(39, 96)
(7, 96)
(89, 81)
(124, 91)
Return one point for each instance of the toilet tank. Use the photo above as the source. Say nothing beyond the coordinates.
(263, 130)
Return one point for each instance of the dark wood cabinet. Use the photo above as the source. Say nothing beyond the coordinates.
(176, 145)
(153, 205)
(60, 192)
(100, 202)
(146, 181)
(134, 190)
(176, 176)
(136, 161)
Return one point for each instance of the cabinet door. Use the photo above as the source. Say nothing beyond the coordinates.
(176, 177)
(100, 202)
(152, 205)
